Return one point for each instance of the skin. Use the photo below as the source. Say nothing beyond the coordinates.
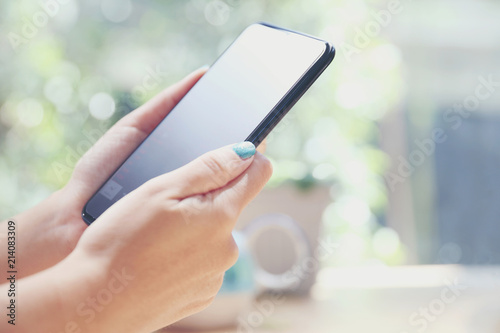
(156, 256)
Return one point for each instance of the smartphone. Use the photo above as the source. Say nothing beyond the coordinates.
(242, 97)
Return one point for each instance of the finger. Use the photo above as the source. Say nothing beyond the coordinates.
(262, 146)
(149, 115)
(246, 186)
(208, 172)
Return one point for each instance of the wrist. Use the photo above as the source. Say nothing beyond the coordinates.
(52, 299)
(101, 300)
(47, 233)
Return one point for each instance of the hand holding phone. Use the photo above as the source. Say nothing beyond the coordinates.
(147, 230)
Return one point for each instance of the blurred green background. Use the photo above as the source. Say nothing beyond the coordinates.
(70, 69)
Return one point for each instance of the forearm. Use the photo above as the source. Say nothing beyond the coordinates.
(69, 297)
(41, 237)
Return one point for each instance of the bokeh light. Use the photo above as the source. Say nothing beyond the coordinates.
(30, 112)
(101, 106)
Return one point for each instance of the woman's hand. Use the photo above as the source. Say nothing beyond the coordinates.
(156, 256)
(51, 229)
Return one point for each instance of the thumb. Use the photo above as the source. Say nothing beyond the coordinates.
(210, 171)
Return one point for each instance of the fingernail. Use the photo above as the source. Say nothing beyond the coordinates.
(244, 149)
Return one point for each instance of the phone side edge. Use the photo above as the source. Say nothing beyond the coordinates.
(292, 97)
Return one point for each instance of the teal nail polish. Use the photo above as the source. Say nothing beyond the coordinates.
(244, 149)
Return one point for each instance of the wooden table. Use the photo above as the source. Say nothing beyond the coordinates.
(415, 299)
